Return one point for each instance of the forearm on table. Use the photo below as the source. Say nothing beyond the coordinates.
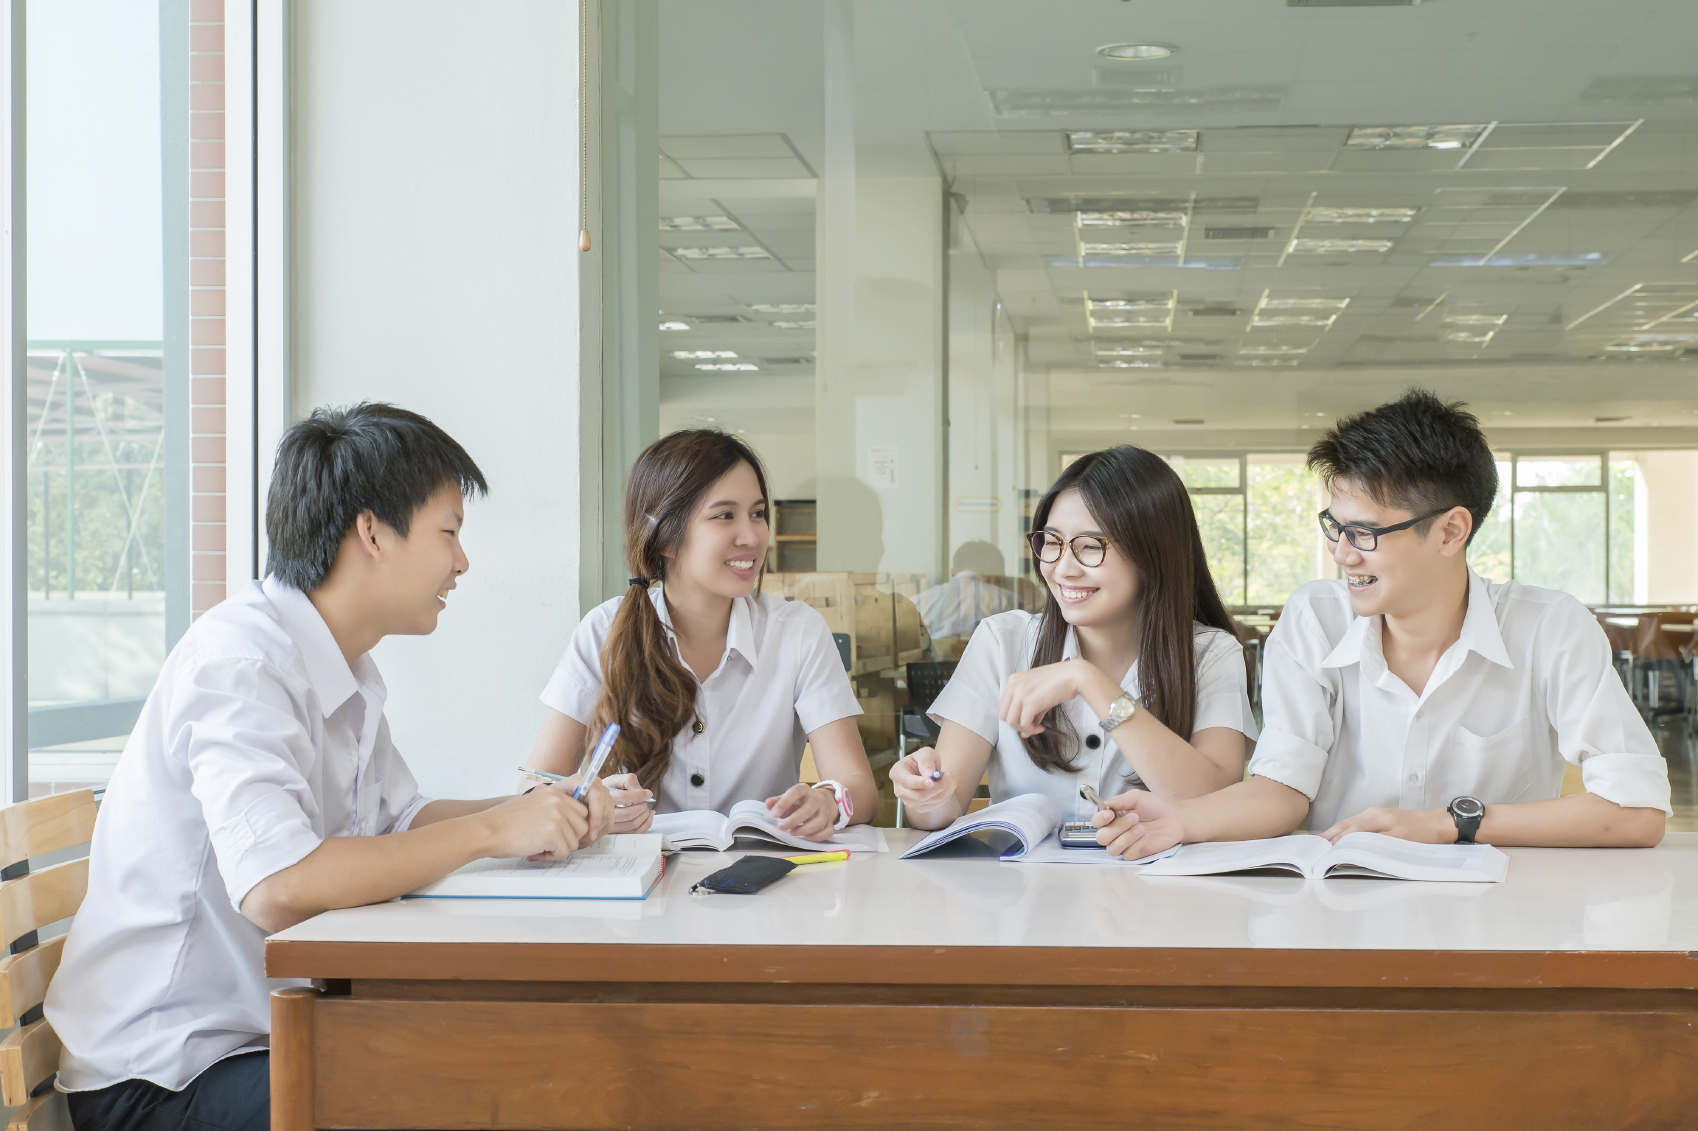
(352, 871)
(1246, 810)
(1580, 820)
(437, 811)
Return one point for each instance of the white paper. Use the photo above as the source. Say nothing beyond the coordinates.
(1031, 817)
(1356, 854)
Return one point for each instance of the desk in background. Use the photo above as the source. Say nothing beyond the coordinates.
(968, 993)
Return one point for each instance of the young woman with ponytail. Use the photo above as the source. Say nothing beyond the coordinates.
(1131, 678)
(715, 685)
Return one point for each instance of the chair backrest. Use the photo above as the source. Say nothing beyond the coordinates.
(926, 682)
(29, 1057)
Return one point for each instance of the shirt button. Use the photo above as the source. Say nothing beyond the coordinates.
(699, 726)
(1413, 778)
(697, 780)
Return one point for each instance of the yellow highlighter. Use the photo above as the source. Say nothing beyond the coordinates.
(819, 857)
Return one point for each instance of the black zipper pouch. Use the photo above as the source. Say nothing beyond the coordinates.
(747, 876)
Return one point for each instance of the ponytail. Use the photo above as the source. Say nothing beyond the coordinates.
(645, 687)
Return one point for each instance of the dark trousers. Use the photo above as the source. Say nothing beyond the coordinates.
(233, 1095)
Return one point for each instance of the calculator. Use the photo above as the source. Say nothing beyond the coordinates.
(1078, 834)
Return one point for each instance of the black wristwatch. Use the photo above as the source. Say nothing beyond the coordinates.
(1467, 812)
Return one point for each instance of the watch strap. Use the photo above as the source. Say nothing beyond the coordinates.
(1466, 827)
(1115, 717)
(845, 801)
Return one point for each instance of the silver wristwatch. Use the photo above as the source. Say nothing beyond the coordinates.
(1123, 708)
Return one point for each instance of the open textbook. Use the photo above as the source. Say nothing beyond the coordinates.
(623, 866)
(1033, 819)
(704, 828)
(1356, 854)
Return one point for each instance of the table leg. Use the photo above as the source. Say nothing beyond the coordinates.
(292, 1058)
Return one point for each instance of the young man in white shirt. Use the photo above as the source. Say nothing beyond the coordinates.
(1412, 697)
(260, 786)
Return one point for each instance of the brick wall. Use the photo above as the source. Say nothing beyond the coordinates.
(206, 303)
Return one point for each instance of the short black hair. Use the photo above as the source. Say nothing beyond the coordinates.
(339, 463)
(1417, 453)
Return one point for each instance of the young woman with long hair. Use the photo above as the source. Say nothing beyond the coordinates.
(715, 685)
(1131, 678)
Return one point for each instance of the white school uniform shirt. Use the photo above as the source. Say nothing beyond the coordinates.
(956, 607)
(257, 742)
(1002, 645)
(779, 678)
(1526, 688)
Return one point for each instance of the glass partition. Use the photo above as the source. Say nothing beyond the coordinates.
(922, 260)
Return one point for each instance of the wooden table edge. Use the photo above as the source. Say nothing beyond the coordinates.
(979, 965)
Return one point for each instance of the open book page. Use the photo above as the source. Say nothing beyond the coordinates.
(752, 818)
(693, 828)
(1031, 817)
(1288, 853)
(1050, 851)
(1375, 854)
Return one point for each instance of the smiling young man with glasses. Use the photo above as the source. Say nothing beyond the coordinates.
(1413, 698)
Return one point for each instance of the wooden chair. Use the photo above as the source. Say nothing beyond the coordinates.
(29, 1057)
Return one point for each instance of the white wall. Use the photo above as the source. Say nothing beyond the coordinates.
(435, 262)
(1671, 526)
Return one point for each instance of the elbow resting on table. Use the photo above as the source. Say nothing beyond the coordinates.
(272, 904)
(1635, 827)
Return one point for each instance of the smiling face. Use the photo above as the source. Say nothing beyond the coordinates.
(421, 569)
(727, 538)
(1089, 596)
(1409, 568)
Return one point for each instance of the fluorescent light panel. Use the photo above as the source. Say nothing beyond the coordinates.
(698, 253)
(1133, 219)
(1337, 247)
(783, 307)
(1130, 248)
(1133, 141)
(1360, 215)
(1413, 137)
(689, 355)
(739, 366)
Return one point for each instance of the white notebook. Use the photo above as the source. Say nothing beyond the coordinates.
(1033, 819)
(1356, 854)
(624, 866)
(704, 828)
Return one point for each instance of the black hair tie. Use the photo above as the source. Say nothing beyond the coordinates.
(643, 581)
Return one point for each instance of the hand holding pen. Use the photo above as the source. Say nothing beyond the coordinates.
(921, 781)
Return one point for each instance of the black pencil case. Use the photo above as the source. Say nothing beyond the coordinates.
(747, 876)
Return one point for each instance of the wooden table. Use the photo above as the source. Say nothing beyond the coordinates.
(968, 993)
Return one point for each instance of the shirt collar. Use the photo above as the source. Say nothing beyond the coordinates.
(739, 637)
(1480, 632)
(327, 670)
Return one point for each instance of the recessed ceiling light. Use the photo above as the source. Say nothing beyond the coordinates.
(1118, 364)
(1360, 215)
(796, 325)
(1334, 247)
(687, 355)
(674, 324)
(720, 252)
(1470, 337)
(1272, 351)
(1130, 219)
(739, 366)
(1476, 319)
(783, 307)
(1136, 51)
(699, 224)
(1413, 137)
(1129, 351)
(1130, 248)
(1264, 362)
(1305, 303)
(1132, 141)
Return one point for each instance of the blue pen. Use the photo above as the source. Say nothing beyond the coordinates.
(603, 747)
(936, 775)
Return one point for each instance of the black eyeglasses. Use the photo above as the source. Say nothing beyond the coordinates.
(1088, 549)
(1367, 537)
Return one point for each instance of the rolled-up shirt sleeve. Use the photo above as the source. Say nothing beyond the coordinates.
(576, 683)
(823, 692)
(236, 727)
(1598, 728)
(1297, 703)
(970, 697)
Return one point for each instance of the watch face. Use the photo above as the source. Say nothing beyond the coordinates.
(1467, 808)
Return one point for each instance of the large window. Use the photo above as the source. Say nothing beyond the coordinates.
(97, 459)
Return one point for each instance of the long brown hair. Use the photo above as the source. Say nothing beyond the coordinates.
(645, 688)
(1143, 510)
